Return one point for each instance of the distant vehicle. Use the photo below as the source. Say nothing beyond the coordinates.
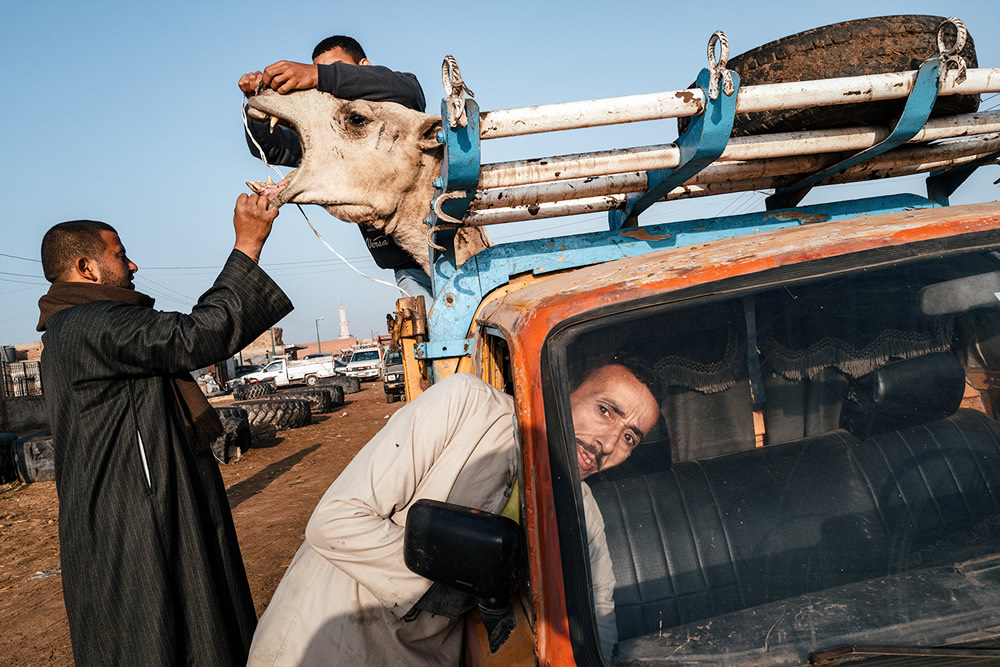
(316, 355)
(283, 372)
(365, 364)
(392, 376)
(240, 374)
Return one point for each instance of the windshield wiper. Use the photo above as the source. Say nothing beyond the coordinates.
(831, 656)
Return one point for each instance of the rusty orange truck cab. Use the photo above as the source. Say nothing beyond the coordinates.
(823, 482)
(828, 467)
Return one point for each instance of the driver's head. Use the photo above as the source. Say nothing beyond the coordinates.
(614, 407)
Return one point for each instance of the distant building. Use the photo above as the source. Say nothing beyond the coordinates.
(345, 328)
(265, 348)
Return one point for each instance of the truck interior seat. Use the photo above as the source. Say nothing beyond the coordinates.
(726, 533)
(813, 341)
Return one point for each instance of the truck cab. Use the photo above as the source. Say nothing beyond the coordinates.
(822, 485)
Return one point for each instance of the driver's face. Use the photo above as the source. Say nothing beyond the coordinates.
(612, 412)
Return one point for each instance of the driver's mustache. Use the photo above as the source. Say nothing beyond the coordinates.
(596, 453)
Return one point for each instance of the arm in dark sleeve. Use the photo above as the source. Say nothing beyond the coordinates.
(371, 82)
(280, 147)
(241, 305)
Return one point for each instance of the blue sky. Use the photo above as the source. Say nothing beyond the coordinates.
(128, 113)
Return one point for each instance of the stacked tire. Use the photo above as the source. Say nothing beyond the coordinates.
(245, 392)
(348, 384)
(320, 400)
(8, 472)
(336, 393)
(280, 413)
(33, 458)
(236, 438)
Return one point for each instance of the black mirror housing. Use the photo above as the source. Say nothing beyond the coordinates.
(471, 550)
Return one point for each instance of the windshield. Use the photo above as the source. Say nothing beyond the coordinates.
(367, 355)
(393, 357)
(824, 469)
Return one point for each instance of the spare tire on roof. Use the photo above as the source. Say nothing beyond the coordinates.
(876, 45)
(34, 458)
(282, 414)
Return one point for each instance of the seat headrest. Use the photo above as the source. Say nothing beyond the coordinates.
(904, 393)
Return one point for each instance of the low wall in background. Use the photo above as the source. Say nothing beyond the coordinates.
(23, 412)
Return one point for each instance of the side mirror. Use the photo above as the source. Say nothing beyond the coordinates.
(473, 551)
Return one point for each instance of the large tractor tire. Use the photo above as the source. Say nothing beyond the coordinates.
(235, 440)
(319, 400)
(232, 413)
(336, 393)
(853, 48)
(348, 384)
(246, 392)
(8, 472)
(34, 458)
(282, 414)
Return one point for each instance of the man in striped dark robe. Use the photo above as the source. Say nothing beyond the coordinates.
(152, 572)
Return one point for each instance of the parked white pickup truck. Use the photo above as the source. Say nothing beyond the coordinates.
(284, 372)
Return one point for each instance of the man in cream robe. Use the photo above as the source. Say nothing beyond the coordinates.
(344, 596)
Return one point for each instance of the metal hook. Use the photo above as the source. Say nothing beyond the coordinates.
(949, 56)
(455, 90)
(718, 68)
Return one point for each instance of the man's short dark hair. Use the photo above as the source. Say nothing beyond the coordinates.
(64, 242)
(637, 366)
(348, 44)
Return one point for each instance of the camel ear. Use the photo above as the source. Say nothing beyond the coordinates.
(429, 134)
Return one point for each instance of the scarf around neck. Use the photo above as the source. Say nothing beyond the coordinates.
(201, 423)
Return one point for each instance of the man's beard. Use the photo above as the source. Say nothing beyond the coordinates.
(594, 452)
(114, 279)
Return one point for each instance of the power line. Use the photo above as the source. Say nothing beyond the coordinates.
(23, 282)
(27, 259)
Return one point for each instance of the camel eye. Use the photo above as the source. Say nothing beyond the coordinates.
(357, 120)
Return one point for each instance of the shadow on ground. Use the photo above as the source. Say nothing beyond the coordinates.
(251, 486)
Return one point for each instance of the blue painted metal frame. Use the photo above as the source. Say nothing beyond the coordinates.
(701, 144)
(458, 299)
(915, 113)
(941, 185)
(459, 173)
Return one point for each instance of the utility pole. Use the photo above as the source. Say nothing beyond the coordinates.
(319, 346)
(272, 343)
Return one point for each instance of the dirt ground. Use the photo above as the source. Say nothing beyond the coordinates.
(272, 490)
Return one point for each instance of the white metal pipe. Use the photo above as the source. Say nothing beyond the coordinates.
(581, 188)
(689, 102)
(879, 168)
(666, 156)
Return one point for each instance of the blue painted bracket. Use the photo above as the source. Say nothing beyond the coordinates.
(942, 184)
(459, 173)
(701, 144)
(455, 305)
(915, 114)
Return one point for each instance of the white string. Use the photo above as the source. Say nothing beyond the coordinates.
(263, 158)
